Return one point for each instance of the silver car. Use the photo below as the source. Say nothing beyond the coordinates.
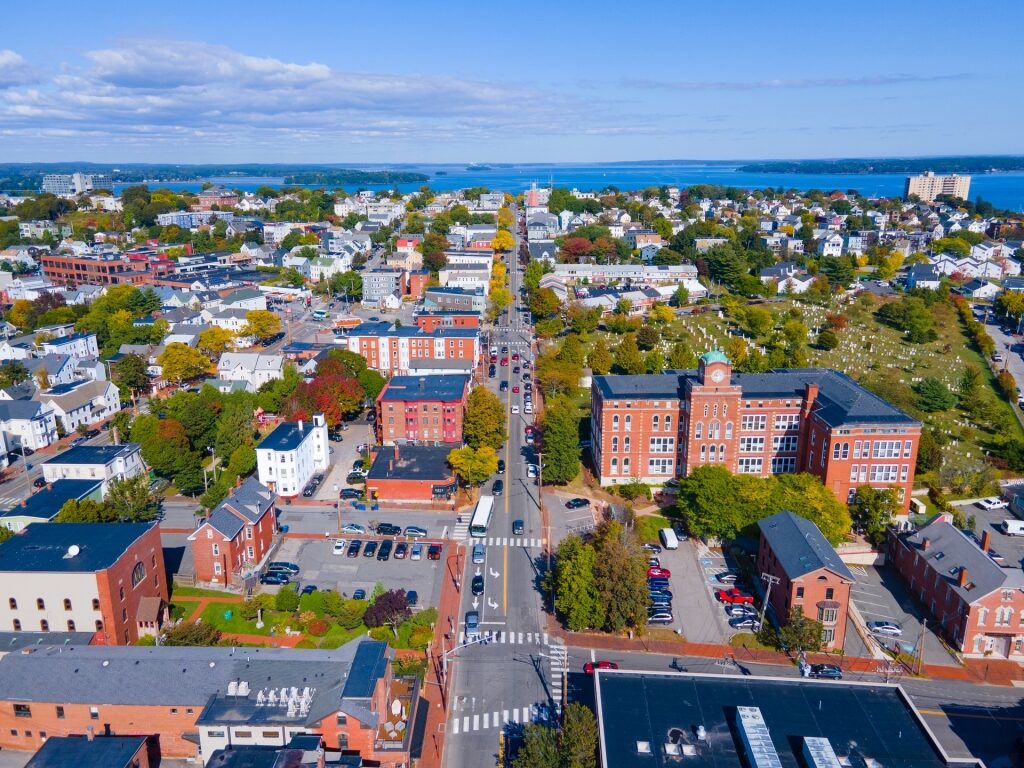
(886, 628)
(478, 553)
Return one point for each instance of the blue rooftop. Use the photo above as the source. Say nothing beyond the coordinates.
(41, 548)
(446, 388)
(368, 665)
(287, 436)
(46, 502)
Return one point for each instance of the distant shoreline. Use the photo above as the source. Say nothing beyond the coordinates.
(941, 165)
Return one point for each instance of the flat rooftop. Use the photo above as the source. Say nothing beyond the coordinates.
(864, 723)
(442, 387)
(93, 454)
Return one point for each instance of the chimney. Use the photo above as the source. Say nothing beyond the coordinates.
(300, 425)
(89, 733)
(810, 395)
(986, 539)
(961, 578)
(925, 543)
(396, 451)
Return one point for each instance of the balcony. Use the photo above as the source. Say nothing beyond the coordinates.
(395, 732)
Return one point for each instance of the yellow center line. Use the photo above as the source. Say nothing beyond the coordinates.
(958, 713)
(508, 491)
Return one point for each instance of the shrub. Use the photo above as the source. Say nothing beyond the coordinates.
(389, 608)
(634, 490)
(425, 618)
(420, 637)
(332, 602)
(249, 610)
(314, 602)
(382, 633)
(350, 614)
(317, 627)
(305, 643)
(307, 616)
(287, 599)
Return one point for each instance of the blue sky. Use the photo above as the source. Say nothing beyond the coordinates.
(345, 82)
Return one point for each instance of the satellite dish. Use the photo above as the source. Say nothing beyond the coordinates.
(73, 550)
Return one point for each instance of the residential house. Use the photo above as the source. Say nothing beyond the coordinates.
(545, 250)
(288, 457)
(231, 544)
(82, 403)
(75, 345)
(979, 290)
(830, 245)
(106, 463)
(254, 369)
(45, 503)
(27, 424)
(808, 574)
(82, 576)
(58, 369)
(542, 226)
(245, 299)
(923, 276)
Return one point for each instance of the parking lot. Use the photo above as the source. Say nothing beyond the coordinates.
(344, 574)
(1009, 548)
(881, 595)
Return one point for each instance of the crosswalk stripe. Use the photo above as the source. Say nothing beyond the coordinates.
(504, 715)
(520, 638)
(526, 714)
(465, 723)
(515, 716)
(487, 719)
(494, 719)
(545, 638)
(455, 726)
(476, 722)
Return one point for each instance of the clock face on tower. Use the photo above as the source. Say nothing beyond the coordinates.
(717, 375)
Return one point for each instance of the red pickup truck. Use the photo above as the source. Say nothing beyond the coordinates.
(734, 596)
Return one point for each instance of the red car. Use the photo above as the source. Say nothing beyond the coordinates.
(504, 361)
(654, 572)
(515, 390)
(515, 356)
(590, 666)
(434, 552)
(494, 358)
(734, 596)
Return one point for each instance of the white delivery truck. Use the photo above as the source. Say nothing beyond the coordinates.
(1013, 527)
(669, 540)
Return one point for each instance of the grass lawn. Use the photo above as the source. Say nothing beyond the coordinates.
(177, 592)
(337, 637)
(182, 609)
(647, 527)
(214, 614)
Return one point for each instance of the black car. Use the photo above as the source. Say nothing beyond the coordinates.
(388, 529)
(498, 488)
(503, 387)
(350, 493)
(648, 547)
(356, 478)
(434, 552)
(274, 577)
(412, 597)
(478, 585)
(501, 466)
(39, 482)
(401, 550)
(27, 451)
(825, 672)
(309, 589)
(90, 433)
(384, 553)
(353, 548)
(517, 528)
(309, 490)
(74, 443)
(577, 503)
(357, 465)
(370, 549)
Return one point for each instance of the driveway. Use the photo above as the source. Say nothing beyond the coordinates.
(694, 567)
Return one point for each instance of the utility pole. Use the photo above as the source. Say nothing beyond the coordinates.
(920, 646)
(771, 581)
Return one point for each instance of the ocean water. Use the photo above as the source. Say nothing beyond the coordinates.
(1004, 190)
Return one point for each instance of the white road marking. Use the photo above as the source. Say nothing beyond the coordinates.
(476, 722)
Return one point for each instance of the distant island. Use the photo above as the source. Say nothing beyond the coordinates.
(910, 165)
(331, 178)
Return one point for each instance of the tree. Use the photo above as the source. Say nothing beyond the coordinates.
(286, 599)
(473, 465)
(5, 534)
(872, 511)
(1007, 385)
(828, 339)
(627, 357)
(647, 338)
(681, 297)
(837, 269)
(503, 241)
(235, 425)
(579, 737)
(681, 356)
(484, 424)
(544, 303)
(933, 395)
(12, 372)
(582, 319)
(191, 633)
(600, 359)
(539, 749)
(390, 609)
(758, 321)
(132, 500)
(621, 576)
(801, 634)
(130, 375)
(661, 314)
(85, 511)
(261, 324)
(577, 599)
(561, 440)
(179, 362)
(216, 341)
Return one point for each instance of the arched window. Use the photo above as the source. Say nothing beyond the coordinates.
(714, 430)
(95, 603)
(721, 452)
(17, 625)
(615, 422)
(615, 444)
(13, 603)
(121, 591)
(67, 604)
(44, 625)
(668, 422)
(728, 430)
(703, 453)
(138, 574)
(705, 410)
(615, 466)
(655, 424)
(71, 625)
(716, 410)
(625, 444)
(40, 604)
(712, 452)
(698, 430)
(629, 422)
(625, 466)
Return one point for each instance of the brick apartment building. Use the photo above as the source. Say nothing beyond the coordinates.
(811, 575)
(413, 351)
(195, 701)
(216, 196)
(83, 577)
(431, 321)
(422, 409)
(236, 536)
(411, 473)
(813, 420)
(65, 269)
(977, 603)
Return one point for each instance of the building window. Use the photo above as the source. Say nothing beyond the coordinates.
(662, 445)
(828, 635)
(17, 625)
(705, 410)
(138, 574)
(216, 551)
(22, 710)
(40, 604)
(799, 592)
(828, 615)
(60, 712)
(615, 444)
(625, 444)
(728, 430)
(655, 423)
(703, 453)
(94, 713)
(668, 423)
(44, 625)
(615, 466)
(243, 734)
(751, 445)
(625, 466)
(71, 625)
(886, 449)
(884, 473)
(99, 625)
(785, 465)
(13, 603)
(615, 422)
(714, 430)
(829, 593)
(342, 719)
(753, 423)
(698, 430)
(629, 423)
(748, 466)
(95, 604)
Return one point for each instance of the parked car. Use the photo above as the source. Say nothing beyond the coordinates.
(416, 553)
(531, 470)
(577, 503)
(648, 547)
(659, 573)
(478, 585)
(886, 628)
(309, 589)
(359, 594)
(412, 597)
(370, 549)
(355, 478)
(825, 671)
(660, 616)
(478, 554)
(415, 531)
(90, 433)
(353, 528)
(74, 443)
(734, 595)
(284, 565)
(384, 551)
(39, 482)
(590, 666)
(745, 622)
(388, 529)
(501, 466)
(653, 562)
(401, 550)
(726, 577)
(350, 493)
(434, 552)
(340, 546)
(658, 585)
(517, 528)
(993, 502)
(659, 593)
(661, 600)
(739, 609)
(353, 548)
(274, 577)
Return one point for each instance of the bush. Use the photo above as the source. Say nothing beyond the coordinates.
(313, 602)
(332, 602)
(420, 637)
(305, 643)
(634, 490)
(249, 610)
(307, 616)
(382, 633)
(425, 618)
(389, 608)
(317, 627)
(287, 599)
(409, 667)
(350, 615)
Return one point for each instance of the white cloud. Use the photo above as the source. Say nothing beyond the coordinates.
(14, 70)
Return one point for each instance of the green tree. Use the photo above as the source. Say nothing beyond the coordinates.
(473, 465)
(5, 534)
(539, 749)
(681, 297)
(828, 339)
(287, 599)
(934, 395)
(600, 359)
(837, 269)
(261, 324)
(165, 448)
(627, 357)
(582, 319)
(758, 321)
(191, 633)
(544, 303)
(621, 576)
(801, 634)
(872, 511)
(234, 427)
(85, 511)
(579, 737)
(647, 337)
(561, 439)
(179, 362)
(484, 424)
(12, 372)
(681, 356)
(130, 375)
(577, 599)
(132, 500)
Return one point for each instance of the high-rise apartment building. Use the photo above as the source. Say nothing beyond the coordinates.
(928, 186)
(67, 185)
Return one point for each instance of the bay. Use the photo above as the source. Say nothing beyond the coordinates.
(1004, 190)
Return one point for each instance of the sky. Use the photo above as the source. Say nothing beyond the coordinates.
(318, 81)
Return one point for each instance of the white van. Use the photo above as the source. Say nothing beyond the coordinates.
(668, 537)
(1013, 527)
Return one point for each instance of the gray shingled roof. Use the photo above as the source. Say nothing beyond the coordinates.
(800, 547)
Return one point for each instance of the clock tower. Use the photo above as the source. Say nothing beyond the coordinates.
(711, 413)
(714, 369)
